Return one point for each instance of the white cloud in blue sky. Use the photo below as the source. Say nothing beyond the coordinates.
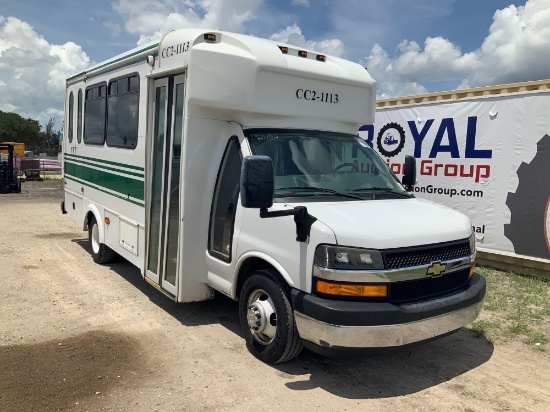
(408, 47)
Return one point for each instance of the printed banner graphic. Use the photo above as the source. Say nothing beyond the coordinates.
(488, 157)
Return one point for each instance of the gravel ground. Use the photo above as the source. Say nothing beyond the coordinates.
(79, 336)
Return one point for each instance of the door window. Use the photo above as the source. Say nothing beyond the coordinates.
(224, 205)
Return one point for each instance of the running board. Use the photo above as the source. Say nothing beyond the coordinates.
(157, 287)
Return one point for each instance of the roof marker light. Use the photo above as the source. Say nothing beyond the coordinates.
(302, 53)
(321, 57)
(209, 36)
(284, 49)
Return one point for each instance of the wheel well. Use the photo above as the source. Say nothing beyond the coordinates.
(89, 217)
(250, 266)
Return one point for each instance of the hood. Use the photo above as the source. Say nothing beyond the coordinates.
(385, 224)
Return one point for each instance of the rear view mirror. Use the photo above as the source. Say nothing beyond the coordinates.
(257, 182)
(409, 174)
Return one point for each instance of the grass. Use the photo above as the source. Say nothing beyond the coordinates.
(516, 308)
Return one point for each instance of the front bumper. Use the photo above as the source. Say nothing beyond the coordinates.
(344, 324)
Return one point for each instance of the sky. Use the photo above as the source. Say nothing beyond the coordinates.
(409, 47)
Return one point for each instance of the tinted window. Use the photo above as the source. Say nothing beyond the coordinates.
(79, 117)
(71, 112)
(94, 115)
(224, 206)
(122, 112)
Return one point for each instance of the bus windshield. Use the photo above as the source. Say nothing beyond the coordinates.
(313, 163)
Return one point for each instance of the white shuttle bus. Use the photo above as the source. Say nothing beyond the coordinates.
(215, 161)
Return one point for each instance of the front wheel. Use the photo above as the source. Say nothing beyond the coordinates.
(100, 251)
(267, 320)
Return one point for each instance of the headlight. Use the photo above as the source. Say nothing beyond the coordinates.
(472, 243)
(349, 258)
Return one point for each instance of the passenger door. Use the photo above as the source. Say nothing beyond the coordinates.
(163, 182)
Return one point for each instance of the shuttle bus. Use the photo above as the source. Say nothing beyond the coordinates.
(215, 161)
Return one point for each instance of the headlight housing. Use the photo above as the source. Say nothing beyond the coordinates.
(348, 258)
(472, 243)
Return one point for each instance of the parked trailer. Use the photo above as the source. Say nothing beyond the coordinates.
(220, 162)
(486, 152)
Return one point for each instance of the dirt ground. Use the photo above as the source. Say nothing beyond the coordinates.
(79, 336)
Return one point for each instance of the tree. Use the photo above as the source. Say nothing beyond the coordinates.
(14, 128)
(50, 137)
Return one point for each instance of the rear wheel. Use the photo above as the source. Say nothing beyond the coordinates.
(267, 320)
(100, 251)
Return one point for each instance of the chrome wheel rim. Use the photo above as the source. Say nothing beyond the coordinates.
(261, 316)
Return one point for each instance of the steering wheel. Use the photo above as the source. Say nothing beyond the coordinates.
(337, 168)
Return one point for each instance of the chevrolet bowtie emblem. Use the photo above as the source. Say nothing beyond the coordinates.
(435, 269)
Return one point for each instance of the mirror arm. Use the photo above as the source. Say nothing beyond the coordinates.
(302, 218)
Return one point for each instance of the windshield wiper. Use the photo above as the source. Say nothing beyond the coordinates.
(323, 190)
(381, 189)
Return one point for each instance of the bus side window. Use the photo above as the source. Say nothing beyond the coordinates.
(224, 205)
(94, 114)
(79, 117)
(71, 112)
(123, 112)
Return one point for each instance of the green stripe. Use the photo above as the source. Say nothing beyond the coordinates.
(108, 162)
(74, 179)
(105, 167)
(126, 186)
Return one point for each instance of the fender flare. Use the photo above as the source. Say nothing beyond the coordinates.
(98, 217)
(269, 259)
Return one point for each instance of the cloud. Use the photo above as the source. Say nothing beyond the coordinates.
(113, 27)
(293, 35)
(517, 47)
(300, 3)
(380, 66)
(512, 52)
(144, 18)
(33, 71)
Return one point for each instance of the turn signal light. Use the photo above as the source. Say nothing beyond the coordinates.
(472, 268)
(350, 289)
(209, 37)
(107, 221)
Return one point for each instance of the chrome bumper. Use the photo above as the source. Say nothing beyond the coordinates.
(326, 335)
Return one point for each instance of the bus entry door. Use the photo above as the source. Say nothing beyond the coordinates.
(163, 182)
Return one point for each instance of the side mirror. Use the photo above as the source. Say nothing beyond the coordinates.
(409, 174)
(257, 184)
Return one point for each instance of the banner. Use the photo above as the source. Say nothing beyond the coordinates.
(488, 157)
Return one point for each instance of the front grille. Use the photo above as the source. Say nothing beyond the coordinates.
(426, 254)
(415, 290)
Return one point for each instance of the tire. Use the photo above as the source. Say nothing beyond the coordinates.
(273, 338)
(100, 251)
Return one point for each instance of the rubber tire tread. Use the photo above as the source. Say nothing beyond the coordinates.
(105, 254)
(293, 345)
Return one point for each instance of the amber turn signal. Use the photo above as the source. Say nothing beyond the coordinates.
(351, 289)
(210, 37)
(107, 221)
(472, 268)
